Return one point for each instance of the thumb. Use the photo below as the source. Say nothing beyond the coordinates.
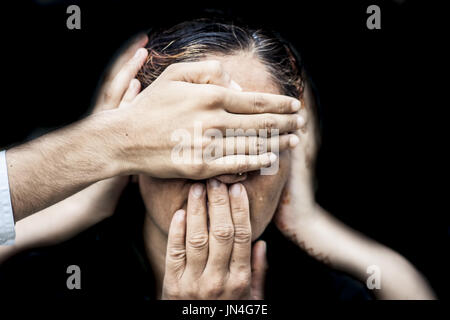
(176, 248)
(259, 268)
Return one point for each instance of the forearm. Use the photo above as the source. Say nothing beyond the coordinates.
(57, 165)
(330, 241)
(67, 218)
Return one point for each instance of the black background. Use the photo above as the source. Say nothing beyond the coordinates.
(374, 86)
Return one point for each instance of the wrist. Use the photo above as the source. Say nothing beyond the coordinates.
(109, 128)
(305, 227)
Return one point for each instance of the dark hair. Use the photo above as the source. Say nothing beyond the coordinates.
(193, 40)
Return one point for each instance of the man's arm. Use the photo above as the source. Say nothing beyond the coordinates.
(139, 137)
(76, 213)
(47, 170)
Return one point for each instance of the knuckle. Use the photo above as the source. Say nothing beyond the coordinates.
(215, 288)
(261, 145)
(243, 165)
(181, 171)
(177, 253)
(253, 145)
(214, 96)
(269, 123)
(292, 122)
(241, 284)
(195, 169)
(257, 145)
(176, 267)
(218, 200)
(282, 107)
(258, 103)
(198, 240)
(192, 292)
(223, 232)
(171, 292)
(242, 234)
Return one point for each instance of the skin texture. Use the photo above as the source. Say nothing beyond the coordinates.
(91, 205)
(61, 163)
(216, 262)
(299, 217)
(162, 197)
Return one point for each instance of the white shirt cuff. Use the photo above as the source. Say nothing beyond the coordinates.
(7, 232)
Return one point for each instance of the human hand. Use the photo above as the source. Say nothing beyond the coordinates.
(199, 93)
(297, 204)
(118, 89)
(216, 262)
(48, 169)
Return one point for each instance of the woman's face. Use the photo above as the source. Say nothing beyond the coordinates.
(162, 197)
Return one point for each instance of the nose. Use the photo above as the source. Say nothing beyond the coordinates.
(231, 178)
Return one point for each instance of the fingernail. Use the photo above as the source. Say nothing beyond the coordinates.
(235, 86)
(296, 105)
(197, 190)
(235, 190)
(179, 215)
(293, 141)
(272, 157)
(214, 183)
(300, 122)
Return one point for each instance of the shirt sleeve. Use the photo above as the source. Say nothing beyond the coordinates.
(7, 232)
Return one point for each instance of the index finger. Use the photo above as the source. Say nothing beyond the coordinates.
(259, 102)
